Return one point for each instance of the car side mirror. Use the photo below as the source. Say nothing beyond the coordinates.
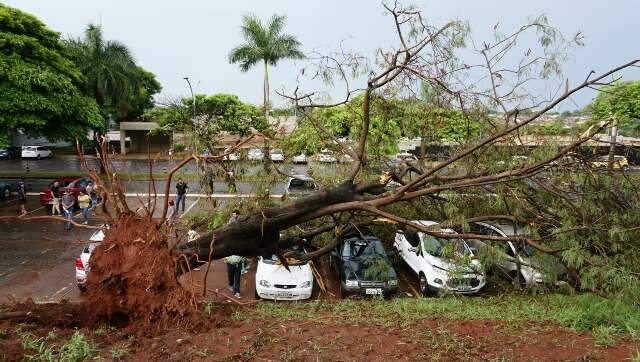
(412, 249)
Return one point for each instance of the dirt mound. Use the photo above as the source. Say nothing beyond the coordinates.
(133, 279)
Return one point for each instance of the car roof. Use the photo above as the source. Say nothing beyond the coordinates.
(302, 177)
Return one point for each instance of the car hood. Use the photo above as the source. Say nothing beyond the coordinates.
(358, 267)
(278, 274)
(474, 268)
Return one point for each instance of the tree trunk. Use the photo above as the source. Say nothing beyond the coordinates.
(266, 149)
(260, 232)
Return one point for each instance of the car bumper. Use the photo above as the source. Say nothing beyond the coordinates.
(283, 294)
(369, 290)
(81, 277)
(444, 284)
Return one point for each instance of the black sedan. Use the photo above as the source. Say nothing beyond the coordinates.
(363, 266)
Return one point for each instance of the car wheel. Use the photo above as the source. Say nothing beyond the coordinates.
(343, 293)
(38, 157)
(82, 288)
(625, 168)
(6, 193)
(255, 294)
(424, 285)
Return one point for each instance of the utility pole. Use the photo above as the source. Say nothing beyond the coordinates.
(192, 97)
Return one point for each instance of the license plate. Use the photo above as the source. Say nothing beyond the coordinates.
(464, 288)
(285, 295)
(373, 291)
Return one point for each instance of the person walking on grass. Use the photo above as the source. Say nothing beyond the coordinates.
(234, 267)
(67, 207)
(181, 188)
(84, 201)
(22, 196)
(55, 202)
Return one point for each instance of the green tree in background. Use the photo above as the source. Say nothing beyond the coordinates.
(267, 44)
(215, 114)
(621, 101)
(113, 79)
(39, 83)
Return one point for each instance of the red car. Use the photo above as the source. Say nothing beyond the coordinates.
(72, 184)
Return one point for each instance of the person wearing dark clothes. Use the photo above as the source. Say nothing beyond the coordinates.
(68, 201)
(22, 196)
(234, 268)
(181, 188)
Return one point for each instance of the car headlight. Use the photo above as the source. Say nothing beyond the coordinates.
(392, 282)
(265, 283)
(306, 284)
(537, 275)
(351, 283)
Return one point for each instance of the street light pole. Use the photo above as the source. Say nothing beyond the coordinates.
(192, 97)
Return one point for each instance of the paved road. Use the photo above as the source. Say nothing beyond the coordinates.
(137, 166)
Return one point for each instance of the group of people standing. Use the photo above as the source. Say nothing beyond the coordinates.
(63, 202)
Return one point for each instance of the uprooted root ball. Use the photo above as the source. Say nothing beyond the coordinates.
(133, 277)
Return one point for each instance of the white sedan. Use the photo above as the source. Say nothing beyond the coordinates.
(274, 281)
(441, 264)
(82, 261)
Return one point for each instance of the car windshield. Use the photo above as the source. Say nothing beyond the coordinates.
(358, 247)
(273, 259)
(436, 246)
(276, 152)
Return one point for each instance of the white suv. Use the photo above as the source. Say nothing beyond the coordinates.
(274, 281)
(37, 152)
(82, 261)
(441, 264)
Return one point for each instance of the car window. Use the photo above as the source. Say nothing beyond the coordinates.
(357, 247)
(435, 246)
(412, 237)
(82, 183)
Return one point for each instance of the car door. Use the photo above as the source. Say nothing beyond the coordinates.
(411, 249)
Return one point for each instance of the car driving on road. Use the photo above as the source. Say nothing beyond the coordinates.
(363, 266)
(82, 261)
(440, 263)
(274, 281)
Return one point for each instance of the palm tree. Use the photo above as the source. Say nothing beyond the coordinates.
(267, 44)
(108, 66)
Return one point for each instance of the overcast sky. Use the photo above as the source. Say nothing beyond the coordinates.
(174, 39)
